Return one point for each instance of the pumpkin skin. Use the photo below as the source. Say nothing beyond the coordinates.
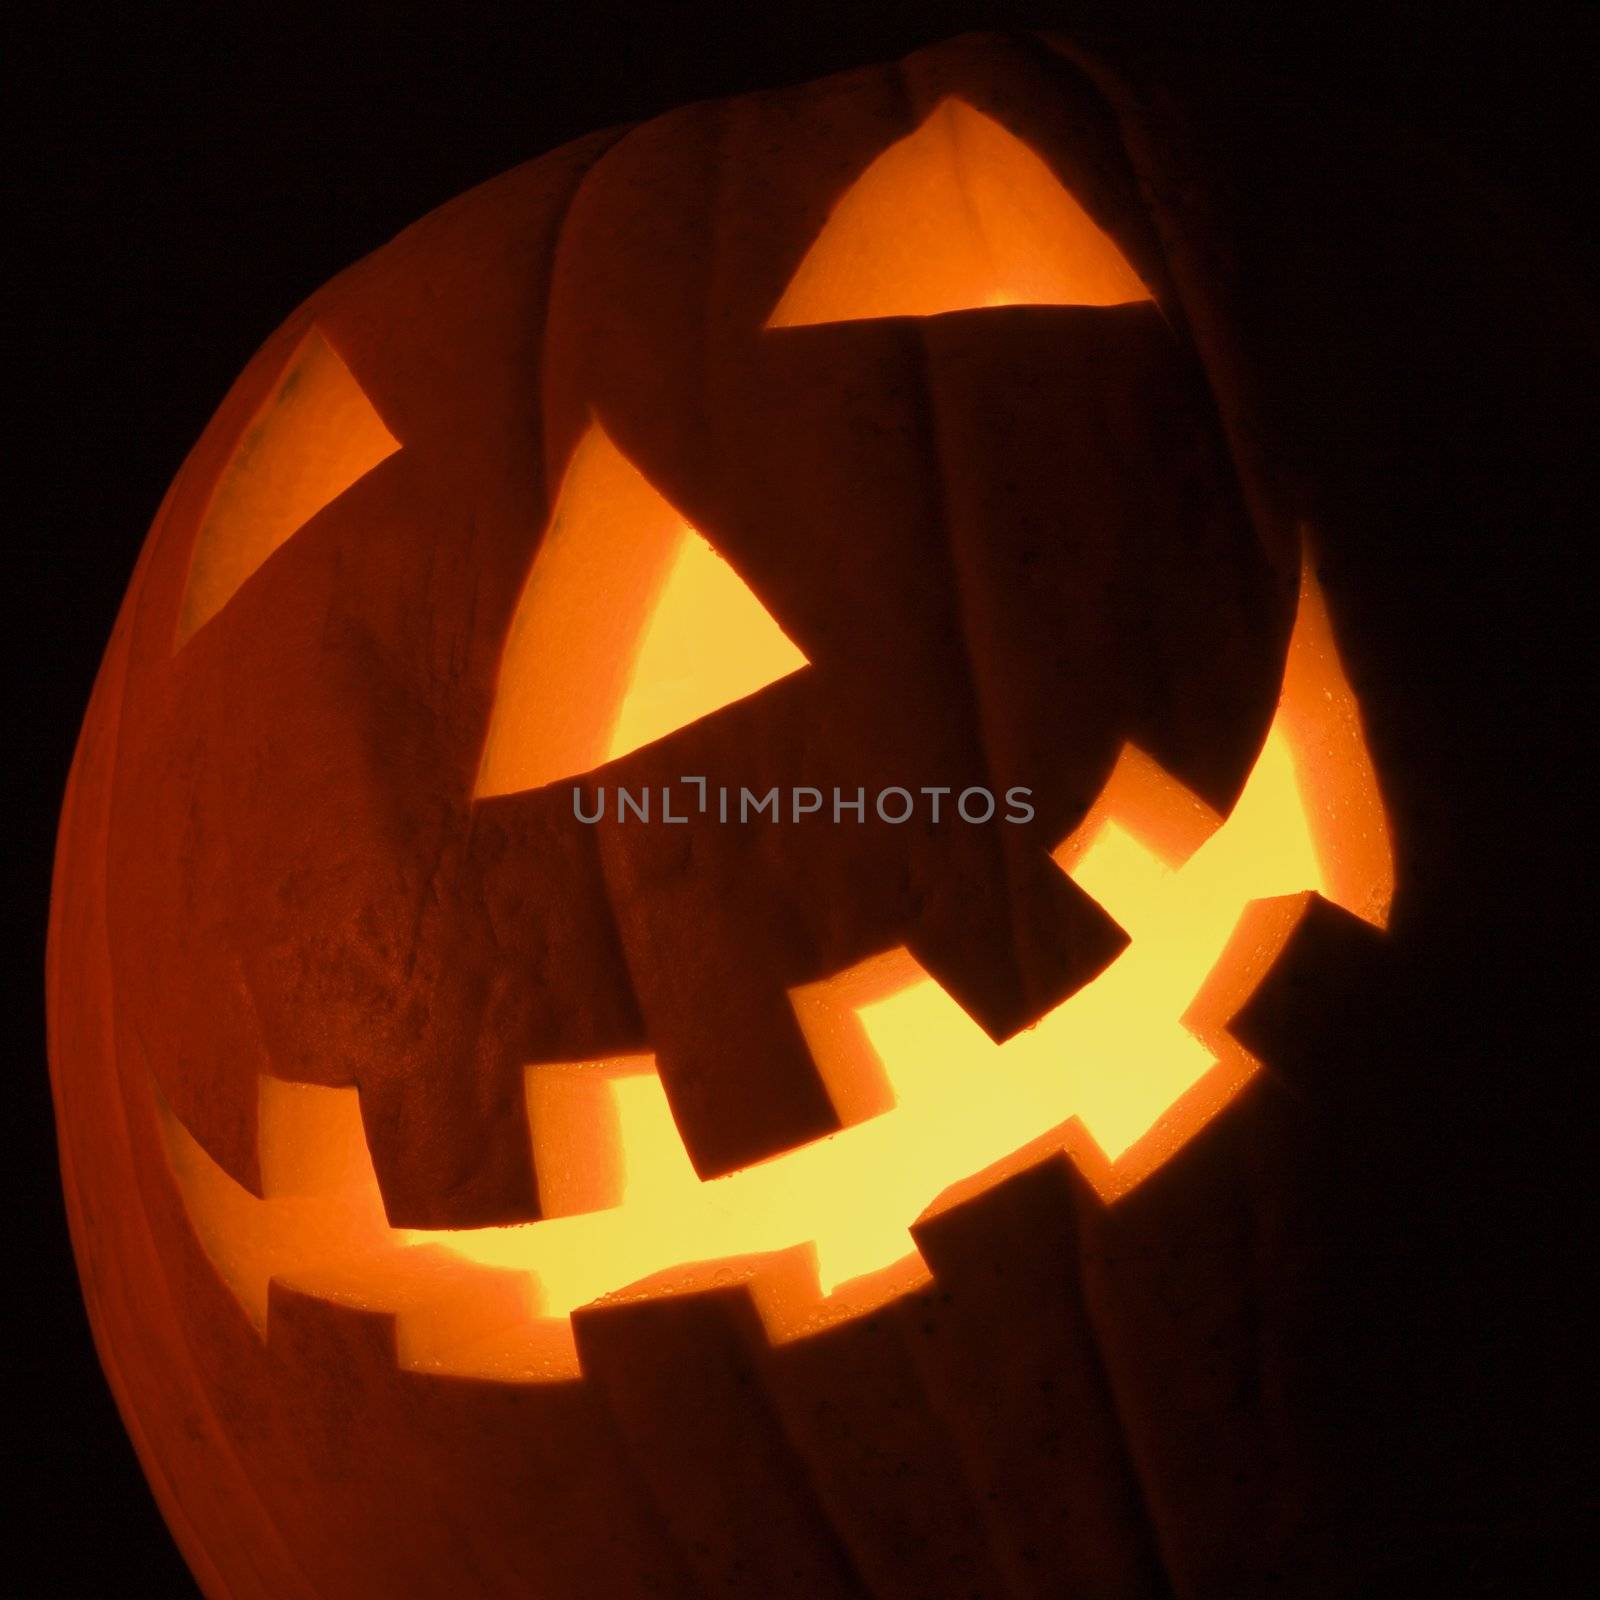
(304, 762)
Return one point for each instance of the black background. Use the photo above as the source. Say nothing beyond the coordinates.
(189, 176)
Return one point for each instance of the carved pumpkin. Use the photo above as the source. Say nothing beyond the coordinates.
(476, 1198)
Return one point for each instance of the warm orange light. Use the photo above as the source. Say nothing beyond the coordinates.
(957, 215)
(316, 434)
(630, 626)
(1119, 1076)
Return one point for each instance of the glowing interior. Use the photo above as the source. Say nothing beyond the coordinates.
(1119, 1076)
(958, 215)
(630, 626)
(315, 435)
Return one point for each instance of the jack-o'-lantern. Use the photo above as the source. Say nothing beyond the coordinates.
(706, 748)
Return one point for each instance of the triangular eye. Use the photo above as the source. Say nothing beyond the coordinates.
(316, 435)
(958, 215)
(630, 626)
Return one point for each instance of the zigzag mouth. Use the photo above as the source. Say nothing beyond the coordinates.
(1118, 1076)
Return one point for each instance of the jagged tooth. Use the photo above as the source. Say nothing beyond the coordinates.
(576, 1132)
(730, 1116)
(448, 1315)
(306, 1329)
(1202, 1363)
(886, 1467)
(533, 1479)
(1010, 939)
(682, 1379)
(1003, 1343)
(448, 1154)
(1309, 1018)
